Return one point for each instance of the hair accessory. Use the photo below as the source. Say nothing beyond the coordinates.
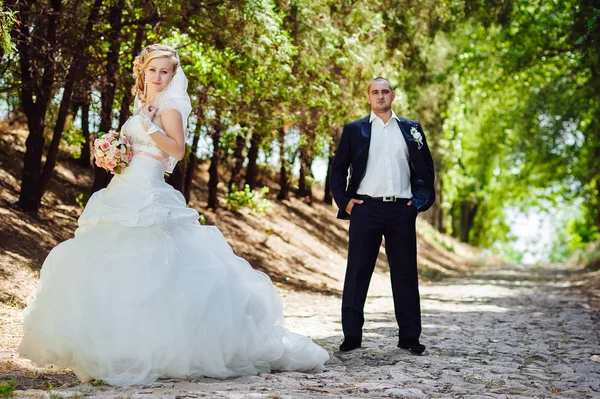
(145, 88)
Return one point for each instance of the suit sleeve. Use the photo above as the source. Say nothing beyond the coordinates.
(428, 174)
(428, 160)
(339, 170)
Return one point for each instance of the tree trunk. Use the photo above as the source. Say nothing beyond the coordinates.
(468, 210)
(192, 162)
(439, 222)
(35, 95)
(101, 178)
(597, 202)
(238, 160)
(32, 162)
(213, 170)
(115, 13)
(177, 178)
(128, 82)
(284, 176)
(328, 197)
(304, 185)
(86, 155)
(252, 168)
(434, 214)
(302, 177)
(59, 127)
(76, 72)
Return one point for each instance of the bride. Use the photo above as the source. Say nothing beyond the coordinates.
(143, 291)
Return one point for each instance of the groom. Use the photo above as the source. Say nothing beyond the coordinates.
(391, 180)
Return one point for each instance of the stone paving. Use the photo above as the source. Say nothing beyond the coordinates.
(515, 332)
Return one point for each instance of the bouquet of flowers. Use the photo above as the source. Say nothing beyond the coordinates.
(112, 151)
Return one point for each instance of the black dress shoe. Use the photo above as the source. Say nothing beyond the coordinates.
(412, 345)
(350, 344)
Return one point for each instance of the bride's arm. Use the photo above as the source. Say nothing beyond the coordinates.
(173, 143)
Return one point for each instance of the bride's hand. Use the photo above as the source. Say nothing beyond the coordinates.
(150, 110)
(147, 114)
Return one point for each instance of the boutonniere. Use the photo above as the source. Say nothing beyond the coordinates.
(417, 136)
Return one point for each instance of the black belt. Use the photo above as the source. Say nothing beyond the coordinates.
(383, 199)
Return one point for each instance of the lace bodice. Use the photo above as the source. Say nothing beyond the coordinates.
(140, 140)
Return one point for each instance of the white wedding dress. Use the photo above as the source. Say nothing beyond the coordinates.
(144, 291)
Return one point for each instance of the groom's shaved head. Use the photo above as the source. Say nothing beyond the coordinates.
(379, 79)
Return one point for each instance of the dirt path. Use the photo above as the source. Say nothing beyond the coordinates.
(519, 332)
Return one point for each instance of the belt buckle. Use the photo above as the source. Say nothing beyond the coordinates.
(389, 199)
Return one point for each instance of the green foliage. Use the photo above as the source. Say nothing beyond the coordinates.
(576, 234)
(581, 231)
(509, 252)
(82, 199)
(7, 19)
(520, 128)
(7, 388)
(73, 137)
(251, 199)
(507, 92)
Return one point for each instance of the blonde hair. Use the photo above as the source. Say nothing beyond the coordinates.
(143, 59)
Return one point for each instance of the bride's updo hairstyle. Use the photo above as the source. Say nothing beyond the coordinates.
(141, 62)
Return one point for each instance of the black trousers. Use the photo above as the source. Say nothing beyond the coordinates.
(369, 222)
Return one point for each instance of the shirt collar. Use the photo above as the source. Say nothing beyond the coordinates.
(374, 115)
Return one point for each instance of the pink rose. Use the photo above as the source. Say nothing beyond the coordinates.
(105, 145)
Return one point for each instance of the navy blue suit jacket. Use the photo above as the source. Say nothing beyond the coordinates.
(353, 151)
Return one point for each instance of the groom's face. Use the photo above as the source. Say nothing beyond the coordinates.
(380, 96)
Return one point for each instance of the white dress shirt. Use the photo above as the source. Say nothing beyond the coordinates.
(388, 171)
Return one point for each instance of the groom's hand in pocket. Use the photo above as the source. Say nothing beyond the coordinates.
(351, 205)
(411, 204)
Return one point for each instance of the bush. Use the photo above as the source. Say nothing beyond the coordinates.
(251, 199)
(590, 256)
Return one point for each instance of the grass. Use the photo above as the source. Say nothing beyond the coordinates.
(7, 388)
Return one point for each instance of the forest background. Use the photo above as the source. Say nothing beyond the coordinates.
(507, 92)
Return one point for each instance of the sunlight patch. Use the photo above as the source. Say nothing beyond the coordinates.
(461, 307)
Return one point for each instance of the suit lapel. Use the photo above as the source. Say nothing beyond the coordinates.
(365, 129)
(414, 153)
(407, 137)
(365, 135)
(362, 154)
(410, 141)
